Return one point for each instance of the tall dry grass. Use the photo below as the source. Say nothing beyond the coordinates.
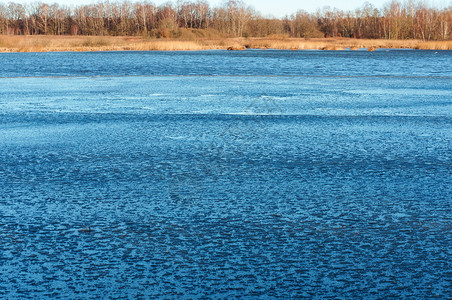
(331, 44)
(167, 45)
(443, 45)
(95, 43)
(108, 43)
(52, 43)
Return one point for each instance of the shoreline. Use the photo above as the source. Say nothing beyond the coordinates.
(46, 43)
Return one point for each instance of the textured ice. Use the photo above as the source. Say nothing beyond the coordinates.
(213, 174)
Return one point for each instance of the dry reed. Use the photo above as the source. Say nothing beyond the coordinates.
(108, 43)
(443, 45)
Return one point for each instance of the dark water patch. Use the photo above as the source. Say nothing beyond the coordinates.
(412, 63)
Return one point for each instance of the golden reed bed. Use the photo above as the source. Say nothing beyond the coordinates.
(108, 43)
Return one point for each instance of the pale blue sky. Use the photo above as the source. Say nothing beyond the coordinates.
(277, 8)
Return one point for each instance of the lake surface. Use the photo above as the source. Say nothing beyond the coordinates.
(216, 174)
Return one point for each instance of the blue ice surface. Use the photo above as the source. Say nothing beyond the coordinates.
(215, 174)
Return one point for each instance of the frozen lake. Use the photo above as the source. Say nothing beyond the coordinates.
(221, 174)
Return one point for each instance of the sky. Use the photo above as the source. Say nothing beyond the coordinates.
(276, 8)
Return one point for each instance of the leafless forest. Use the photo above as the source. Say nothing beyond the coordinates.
(397, 20)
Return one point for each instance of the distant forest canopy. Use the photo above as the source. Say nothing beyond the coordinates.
(408, 20)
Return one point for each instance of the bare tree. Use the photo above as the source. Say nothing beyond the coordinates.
(397, 20)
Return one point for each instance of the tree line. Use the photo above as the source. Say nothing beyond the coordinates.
(408, 20)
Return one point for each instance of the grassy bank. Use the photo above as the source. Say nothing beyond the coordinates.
(108, 43)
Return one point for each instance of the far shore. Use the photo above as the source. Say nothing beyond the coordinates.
(46, 43)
